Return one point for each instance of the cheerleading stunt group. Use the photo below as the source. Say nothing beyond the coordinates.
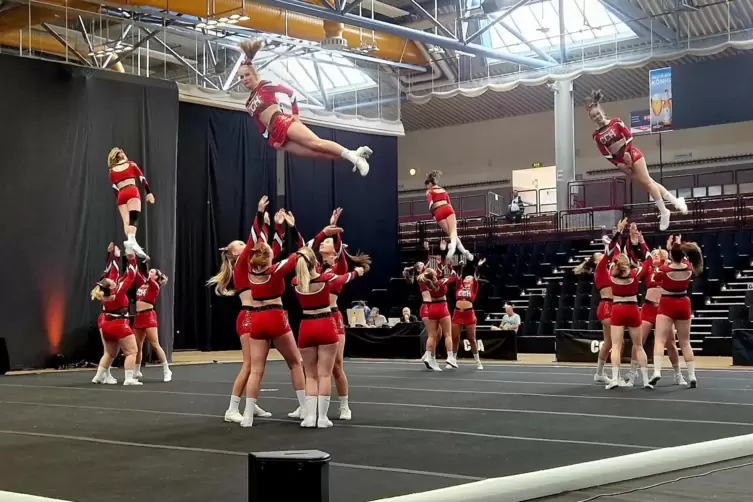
(255, 272)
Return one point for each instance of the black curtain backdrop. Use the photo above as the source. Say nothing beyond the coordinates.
(225, 166)
(59, 211)
(314, 188)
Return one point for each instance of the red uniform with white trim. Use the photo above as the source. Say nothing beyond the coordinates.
(625, 311)
(148, 292)
(112, 270)
(128, 192)
(616, 131)
(465, 317)
(442, 212)
(675, 279)
(650, 309)
(602, 279)
(115, 327)
(438, 306)
(264, 96)
(319, 329)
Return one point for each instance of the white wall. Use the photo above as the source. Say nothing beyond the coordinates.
(491, 150)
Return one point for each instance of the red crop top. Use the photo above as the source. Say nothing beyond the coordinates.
(433, 196)
(675, 280)
(320, 299)
(130, 172)
(149, 289)
(615, 131)
(120, 300)
(467, 294)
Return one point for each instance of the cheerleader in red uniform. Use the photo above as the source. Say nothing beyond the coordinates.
(649, 310)
(116, 331)
(600, 267)
(465, 316)
(675, 277)
(615, 142)
(434, 293)
(123, 176)
(145, 323)
(317, 334)
(235, 268)
(285, 131)
(626, 281)
(112, 270)
(444, 215)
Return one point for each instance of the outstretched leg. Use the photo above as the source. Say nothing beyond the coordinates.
(299, 133)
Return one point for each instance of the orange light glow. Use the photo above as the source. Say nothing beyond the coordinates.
(54, 317)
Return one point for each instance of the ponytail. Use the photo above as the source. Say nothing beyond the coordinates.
(221, 281)
(358, 260)
(596, 97)
(695, 257)
(621, 267)
(97, 294)
(586, 267)
(303, 269)
(250, 48)
(432, 177)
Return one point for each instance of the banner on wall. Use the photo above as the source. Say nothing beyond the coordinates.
(660, 99)
(640, 122)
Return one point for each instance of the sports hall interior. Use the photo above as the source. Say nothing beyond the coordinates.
(492, 93)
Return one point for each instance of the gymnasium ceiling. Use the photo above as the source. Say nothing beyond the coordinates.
(183, 40)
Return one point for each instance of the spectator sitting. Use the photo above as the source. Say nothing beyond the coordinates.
(510, 321)
(407, 317)
(375, 319)
(366, 310)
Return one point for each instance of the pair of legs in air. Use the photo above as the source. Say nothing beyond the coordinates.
(450, 227)
(301, 141)
(130, 212)
(639, 173)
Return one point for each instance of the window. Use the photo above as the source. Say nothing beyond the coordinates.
(587, 22)
(337, 73)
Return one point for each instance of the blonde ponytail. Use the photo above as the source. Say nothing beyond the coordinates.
(221, 281)
(302, 274)
(251, 47)
(97, 294)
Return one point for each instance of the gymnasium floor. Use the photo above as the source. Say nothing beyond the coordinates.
(413, 430)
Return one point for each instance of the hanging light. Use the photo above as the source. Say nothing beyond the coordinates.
(243, 18)
(232, 21)
(235, 16)
(212, 22)
(201, 25)
(223, 20)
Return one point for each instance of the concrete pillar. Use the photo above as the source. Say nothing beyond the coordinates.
(564, 140)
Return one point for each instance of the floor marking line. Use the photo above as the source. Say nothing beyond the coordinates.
(355, 426)
(409, 389)
(227, 452)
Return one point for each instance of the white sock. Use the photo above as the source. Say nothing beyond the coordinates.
(633, 367)
(250, 407)
(309, 406)
(107, 370)
(450, 355)
(667, 195)
(615, 373)
(323, 403)
(600, 367)
(235, 401)
(131, 238)
(660, 204)
(459, 245)
(129, 374)
(349, 155)
(137, 368)
(676, 367)
(476, 358)
(165, 367)
(658, 360)
(427, 354)
(301, 395)
(691, 369)
(101, 372)
(343, 402)
(644, 374)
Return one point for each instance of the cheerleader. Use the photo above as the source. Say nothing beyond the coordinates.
(112, 270)
(615, 142)
(123, 176)
(465, 316)
(600, 268)
(145, 323)
(434, 293)
(685, 263)
(649, 310)
(444, 215)
(286, 131)
(235, 268)
(317, 335)
(116, 331)
(626, 281)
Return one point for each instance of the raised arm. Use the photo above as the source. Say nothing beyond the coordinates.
(141, 274)
(112, 266)
(126, 280)
(142, 178)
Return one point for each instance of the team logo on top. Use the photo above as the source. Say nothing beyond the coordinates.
(254, 103)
